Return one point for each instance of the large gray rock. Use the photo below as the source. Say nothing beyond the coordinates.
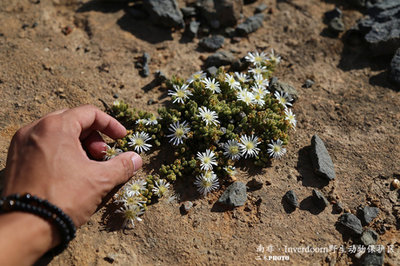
(381, 27)
(226, 12)
(250, 25)
(384, 38)
(220, 58)
(321, 160)
(165, 13)
(235, 195)
(395, 68)
(351, 223)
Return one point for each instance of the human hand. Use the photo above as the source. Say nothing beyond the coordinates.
(46, 159)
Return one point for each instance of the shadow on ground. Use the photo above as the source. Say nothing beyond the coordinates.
(305, 168)
(141, 28)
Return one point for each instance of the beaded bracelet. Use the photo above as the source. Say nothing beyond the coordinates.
(45, 210)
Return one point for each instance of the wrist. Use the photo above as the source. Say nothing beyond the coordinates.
(19, 228)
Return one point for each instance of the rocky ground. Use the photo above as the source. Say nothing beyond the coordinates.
(64, 53)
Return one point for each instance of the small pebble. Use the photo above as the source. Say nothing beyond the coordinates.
(260, 8)
(291, 199)
(308, 83)
(186, 206)
(396, 183)
(116, 96)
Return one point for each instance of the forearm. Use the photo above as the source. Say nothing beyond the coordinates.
(24, 238)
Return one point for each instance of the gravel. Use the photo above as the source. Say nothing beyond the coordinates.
(368, 214)
(369, 237)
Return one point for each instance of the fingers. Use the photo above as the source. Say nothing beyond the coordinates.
(122, 167)
(95, 145)
(87, 118)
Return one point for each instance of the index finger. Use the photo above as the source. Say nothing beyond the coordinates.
(88, 118)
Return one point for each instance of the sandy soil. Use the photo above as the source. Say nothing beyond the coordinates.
(351, 107)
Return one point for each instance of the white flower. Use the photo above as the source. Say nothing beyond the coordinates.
(138, 140)
(274, 57)
(258, 70)
(135, 187)
(179, 132)
(117, 103)
(290, 117)
(207, 160)
(283, 98)
(246, 96)
(161, 186)
(259, 99)
(110, 153)
(196, 76)
(256, 58)
(260, 90)
(212, 85)
(131, 213)
(231, 149)
(248, 146)
(260, 81)
(233, 84)
(141, 121)
(126, 199)
(208, 116)
(180, 93)
(151, 121)
(275, 149)
(241, 77)
(231, 170)
(207, 182)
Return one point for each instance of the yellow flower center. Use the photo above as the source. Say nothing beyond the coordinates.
(206, 160)
(162, 190)
(139, 142)
(180, 94)
(234, 149)
(277, 148)
(249, 146)
(179, 132)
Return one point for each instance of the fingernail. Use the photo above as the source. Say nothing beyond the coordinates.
(137, 162)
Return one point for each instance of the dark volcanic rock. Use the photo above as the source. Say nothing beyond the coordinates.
(220, 58)
(369, 237)
(319, 199)
(235, 195)
(337, 207)
(381, 27)
(212, 43)
(351, 223)
(165, 13)
(395, 67)
(291, 198)
(368, 214)
(145, 72)
(280, 86)
(226, 12)
(321, 160)
(372, 259)
(250, 25)
(384, 38)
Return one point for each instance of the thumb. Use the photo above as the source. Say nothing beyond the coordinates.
(122, 167)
